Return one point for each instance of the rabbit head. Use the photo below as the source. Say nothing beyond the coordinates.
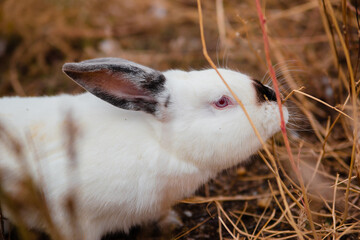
(199, 121)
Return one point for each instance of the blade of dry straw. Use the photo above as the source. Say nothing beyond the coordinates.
(324, 103)
(198, 200)
(220, 220)
(333, 206)
(191, 229)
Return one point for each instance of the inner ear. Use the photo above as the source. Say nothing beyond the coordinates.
(111, 83)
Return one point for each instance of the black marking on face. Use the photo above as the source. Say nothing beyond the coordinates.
(263, 92)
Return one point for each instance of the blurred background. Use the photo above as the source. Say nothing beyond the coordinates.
(38, 36)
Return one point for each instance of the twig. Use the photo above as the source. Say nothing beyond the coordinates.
(191, 229)
(220, 220)
(333, 206)
(324, 103)
(198, 200)
(290, 94)
(227, 229)
(265, 225)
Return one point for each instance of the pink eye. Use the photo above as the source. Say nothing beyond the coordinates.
(223, 102)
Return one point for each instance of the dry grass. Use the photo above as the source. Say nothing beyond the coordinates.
(316, 46)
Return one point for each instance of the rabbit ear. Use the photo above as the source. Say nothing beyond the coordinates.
(120, 82)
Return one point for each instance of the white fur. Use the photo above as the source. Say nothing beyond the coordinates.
(131, 167)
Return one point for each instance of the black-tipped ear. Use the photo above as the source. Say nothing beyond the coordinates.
(120, 82)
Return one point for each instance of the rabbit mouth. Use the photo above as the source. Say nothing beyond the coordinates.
(271, 119)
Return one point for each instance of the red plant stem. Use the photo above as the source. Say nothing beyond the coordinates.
(276, 85)
(282, 121)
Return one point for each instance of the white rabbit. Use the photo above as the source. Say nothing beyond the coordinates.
(162, 136)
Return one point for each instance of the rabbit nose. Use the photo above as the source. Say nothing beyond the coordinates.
(264, 93)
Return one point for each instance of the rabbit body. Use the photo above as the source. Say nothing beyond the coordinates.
(128, 167)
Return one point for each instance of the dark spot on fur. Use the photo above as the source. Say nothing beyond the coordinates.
(167, 102)
(154, 83)
(127, 69)
(263, 92)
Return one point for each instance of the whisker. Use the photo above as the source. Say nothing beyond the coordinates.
(217, 51)
(283, 73)
(277, 67)
(227, 58)
(224, 60)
